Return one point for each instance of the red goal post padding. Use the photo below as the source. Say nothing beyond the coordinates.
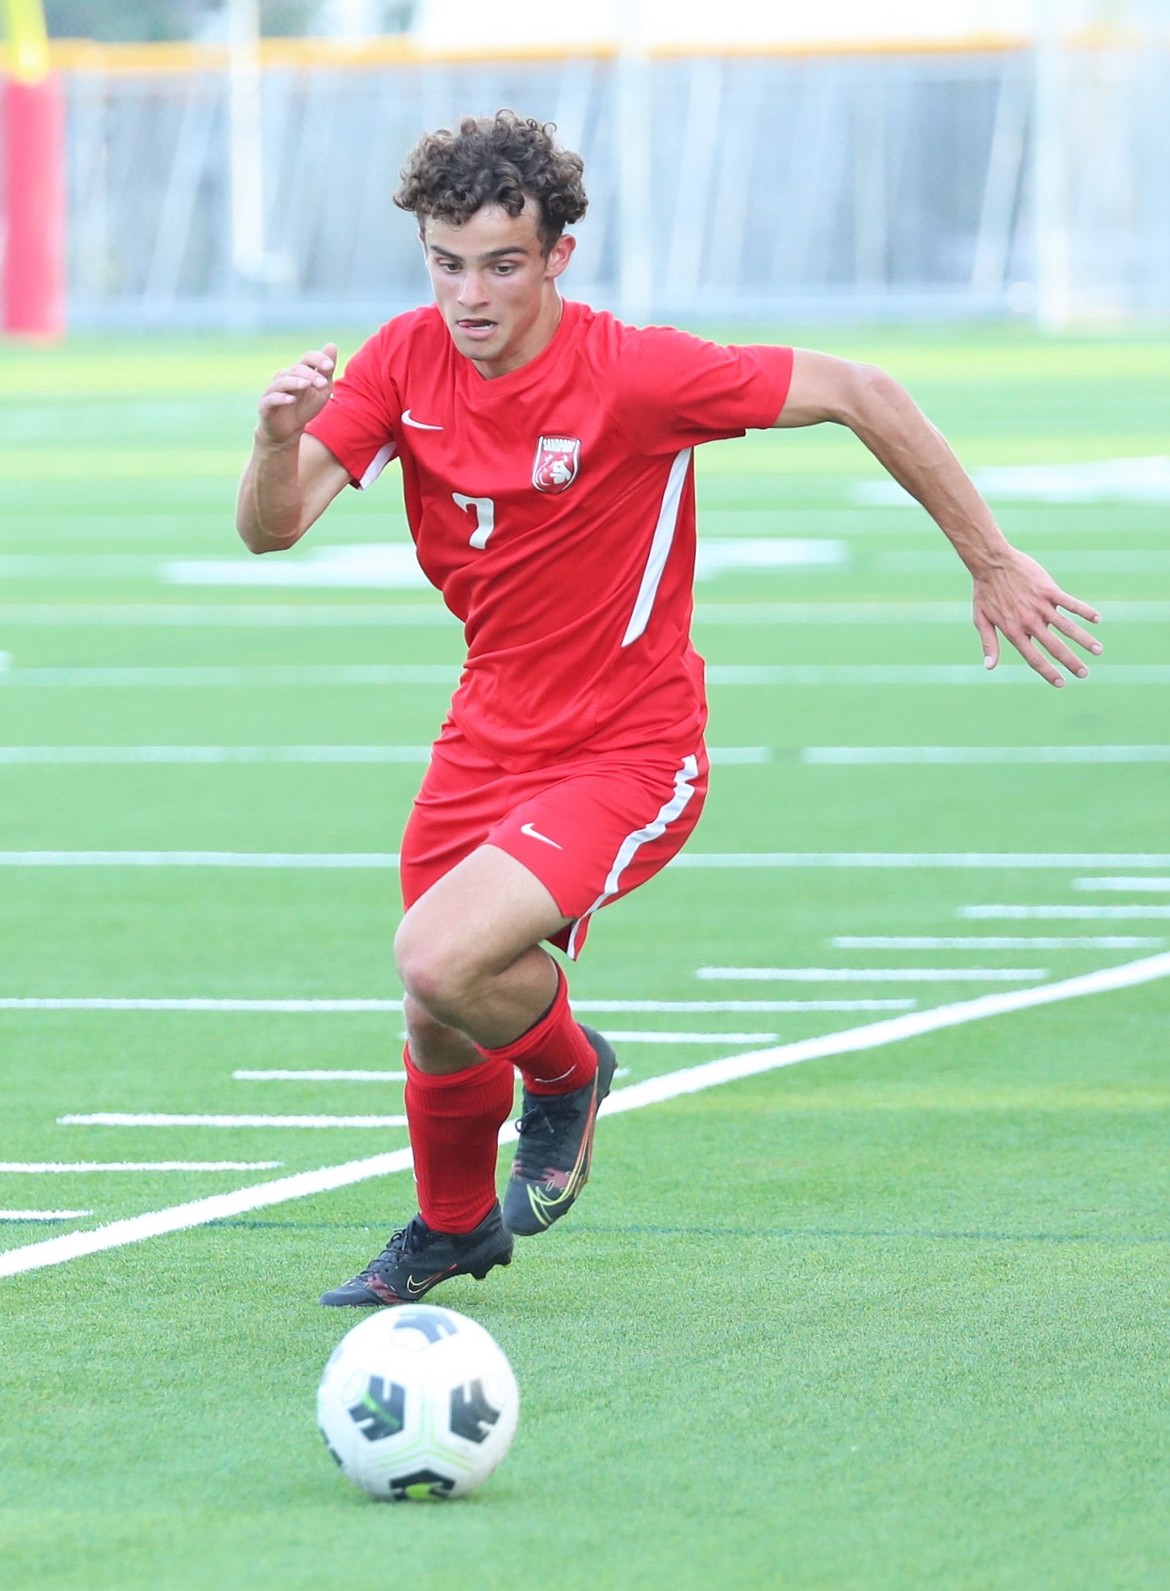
(34, 194)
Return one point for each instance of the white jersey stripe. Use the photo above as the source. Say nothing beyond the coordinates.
(377, 464)
(659, 547)
(683, 791)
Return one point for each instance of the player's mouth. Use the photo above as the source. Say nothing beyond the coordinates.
(476, 328)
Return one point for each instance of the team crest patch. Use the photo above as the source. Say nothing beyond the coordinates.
(556, 463)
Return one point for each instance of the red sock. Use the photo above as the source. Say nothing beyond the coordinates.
(554, 1055)
(455, 1120)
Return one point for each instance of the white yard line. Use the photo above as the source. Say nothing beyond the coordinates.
(1150, 886)
(115, 1003)
(750, 861)
(902, 860)
(899, 613)
(44, 1215)
(218, 1207)
(994, 942)
(268, 675)
(51, 756)
(882, 756)
(57, 1168)
(320, 1074)
(358, 860)
(198, 1004)
(347, 615)
(1114, 562)
(125, 1118)
(758, 1007)
(892, 1030)
(919, 674)
(234, 677)
(615, 1035)
(873, 974)
(352, 1007)
(1128, 913)
(1093, 482)
(247, 615)
(711, 1074)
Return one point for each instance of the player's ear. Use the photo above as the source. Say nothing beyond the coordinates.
(559, 255)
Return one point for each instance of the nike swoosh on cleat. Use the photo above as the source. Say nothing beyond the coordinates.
(419, 425)
(416, 1288)
(535, 834)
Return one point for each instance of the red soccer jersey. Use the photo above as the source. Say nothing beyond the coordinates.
(554, 508)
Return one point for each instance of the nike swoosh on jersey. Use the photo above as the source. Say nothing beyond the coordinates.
(535, 834)
(419, 425)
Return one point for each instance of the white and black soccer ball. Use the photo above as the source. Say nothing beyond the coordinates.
(418, 1402)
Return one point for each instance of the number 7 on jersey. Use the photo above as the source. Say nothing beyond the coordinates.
(485, 516)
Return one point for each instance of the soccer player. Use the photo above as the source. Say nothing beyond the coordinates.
(546, 457)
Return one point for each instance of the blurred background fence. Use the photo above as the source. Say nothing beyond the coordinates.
(216, 186)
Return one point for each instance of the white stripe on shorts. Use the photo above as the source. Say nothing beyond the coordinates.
(684, 789)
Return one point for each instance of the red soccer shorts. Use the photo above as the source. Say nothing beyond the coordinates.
(590, 830)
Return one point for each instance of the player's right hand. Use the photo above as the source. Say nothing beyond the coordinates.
(295, 396)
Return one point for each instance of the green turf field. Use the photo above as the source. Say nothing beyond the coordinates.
(889, 1318)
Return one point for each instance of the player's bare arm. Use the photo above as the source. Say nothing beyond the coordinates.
(1013, 595)
(291, 478)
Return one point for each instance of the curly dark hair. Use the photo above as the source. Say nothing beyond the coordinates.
(499, 160)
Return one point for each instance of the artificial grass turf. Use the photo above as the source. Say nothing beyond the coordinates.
(910, 1343)
(888, 1320)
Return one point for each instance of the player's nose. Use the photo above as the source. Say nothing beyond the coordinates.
(473, 290)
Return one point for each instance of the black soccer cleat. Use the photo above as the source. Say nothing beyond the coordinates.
(556, 1148)
(417, 1259)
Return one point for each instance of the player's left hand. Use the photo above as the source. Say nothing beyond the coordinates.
(1018, 598)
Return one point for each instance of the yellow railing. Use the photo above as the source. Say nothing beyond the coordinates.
(86, 55)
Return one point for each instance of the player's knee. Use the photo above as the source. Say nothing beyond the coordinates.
(433, 1046)
(434, 972)
(421, 1027)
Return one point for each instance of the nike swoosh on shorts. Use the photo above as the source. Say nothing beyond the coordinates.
(535, 834)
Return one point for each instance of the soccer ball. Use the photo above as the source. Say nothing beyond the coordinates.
(418, 1402)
